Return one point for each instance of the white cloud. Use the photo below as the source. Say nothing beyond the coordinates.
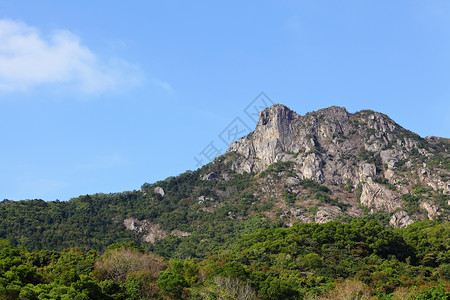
(162, 84)
(28, 60)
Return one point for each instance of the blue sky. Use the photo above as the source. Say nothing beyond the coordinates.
(102, 96)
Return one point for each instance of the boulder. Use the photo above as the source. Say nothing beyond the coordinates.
(430, 208)
(400, 219)
(326, 214)
(159, 190)
(209, 176)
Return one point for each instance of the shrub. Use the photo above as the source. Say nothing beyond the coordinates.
(349, 289)
(435, 293)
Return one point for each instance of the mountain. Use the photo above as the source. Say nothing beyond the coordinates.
(363, 158)
(326, 165)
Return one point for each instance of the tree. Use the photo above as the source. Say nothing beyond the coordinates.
(172, 281)
(118, 264)
(434, 293)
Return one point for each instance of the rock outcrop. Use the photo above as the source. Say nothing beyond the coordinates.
(400, 219)
(325, 215)
(431, 208)
(379, 197)
(159, 190)
(334, 147)
(150, 232)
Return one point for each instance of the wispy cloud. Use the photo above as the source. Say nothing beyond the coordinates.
(162, 84)
(29, 59)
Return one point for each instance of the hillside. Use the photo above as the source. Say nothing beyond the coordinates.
(360, 260)
(326, 165)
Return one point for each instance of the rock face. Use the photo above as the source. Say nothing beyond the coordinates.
(209, 176)
(317, 143)
(159, 190)
(366, 149)
(328, 165)
(431, 209)
(150, 232)
(400, 219)
(325, 215)
(278, 133)
(379, 197)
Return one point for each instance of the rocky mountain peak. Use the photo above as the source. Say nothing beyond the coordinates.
(337, 113)
(276, 114)
(281, 134)
(365, 150)
(281, 131)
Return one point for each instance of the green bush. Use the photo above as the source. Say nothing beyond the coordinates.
(434, 293)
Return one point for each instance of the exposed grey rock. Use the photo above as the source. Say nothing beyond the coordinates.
(209, 176)
(436, 183)
(153, 232)
(431, 209)
(400, 219)
(326, 214)
(179, 233)
(202, 199)
(379, 197)
(292, 181)
(280, 131)
(331, 146)
(366, 170)
(312, 167)
(389, 174)
(130, 224)
(226, 176)
(291, 212)
(296, 211)
(150, 232)
(292, 215)
(391, 157)
(159, 190)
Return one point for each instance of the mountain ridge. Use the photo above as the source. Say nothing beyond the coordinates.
(327, 165)
(365, 149)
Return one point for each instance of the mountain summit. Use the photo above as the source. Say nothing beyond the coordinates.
(366, 152)
(281, 132)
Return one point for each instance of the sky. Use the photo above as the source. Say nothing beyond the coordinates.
(103, 96)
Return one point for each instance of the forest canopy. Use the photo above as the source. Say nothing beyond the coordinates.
(317, 261)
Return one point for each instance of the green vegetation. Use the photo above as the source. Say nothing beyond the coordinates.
(222, 238)
(313, 186)
(227, 212)
(314, 261)
(278, 167)
(385, 181)
(440, 161)
(96, 221)
(289, 197)
(411, 202)
(370, 157)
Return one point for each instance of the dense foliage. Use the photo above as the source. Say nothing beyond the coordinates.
(360, 260)
(223, 233)
(96, 221)
(198, 216)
